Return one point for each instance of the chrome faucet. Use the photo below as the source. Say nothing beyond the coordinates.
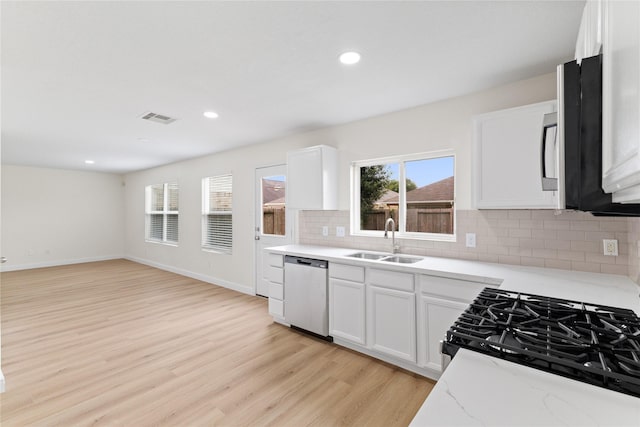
(395, 247)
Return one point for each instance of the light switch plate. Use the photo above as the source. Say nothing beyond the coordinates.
(471, 240)
(610, 247)
(340, 231)
(325, 230)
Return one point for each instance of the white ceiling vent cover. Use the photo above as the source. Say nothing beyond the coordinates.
(158, 118)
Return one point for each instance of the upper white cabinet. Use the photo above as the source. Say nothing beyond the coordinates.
(621, 100)
(589, 40)
(506, 159)
(312, 181)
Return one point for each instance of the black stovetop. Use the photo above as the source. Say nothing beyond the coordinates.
(595, 344)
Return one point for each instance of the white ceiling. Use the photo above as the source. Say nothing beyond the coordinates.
(77, 76)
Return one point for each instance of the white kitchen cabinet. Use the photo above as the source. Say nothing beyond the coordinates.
(312, 178)
(392, 322)
(347, 303)
(436, 317)
(589, 40)
(273, 273)
(347, 310)
(506, 159)
(621, 100)
(441, 302)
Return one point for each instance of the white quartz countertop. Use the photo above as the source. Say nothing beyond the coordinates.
(480, 390)
(596, 288)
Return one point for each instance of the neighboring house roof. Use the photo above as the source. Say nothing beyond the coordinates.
(273, 190)
(437, 191)
(388, 195)
(276, 202)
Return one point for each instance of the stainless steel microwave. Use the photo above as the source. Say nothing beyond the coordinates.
(571, 143)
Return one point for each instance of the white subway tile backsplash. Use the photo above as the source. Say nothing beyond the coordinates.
(557, 244)
(519, 214)
(520, 232)
(614, 269)
(556, 263)
(571, 255)
(540, 238)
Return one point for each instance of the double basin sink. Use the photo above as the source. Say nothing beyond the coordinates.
(398, 259)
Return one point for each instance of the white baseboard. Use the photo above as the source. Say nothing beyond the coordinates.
(203, 277)
(58, 263)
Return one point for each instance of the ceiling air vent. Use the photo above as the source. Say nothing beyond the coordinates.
(158, 118)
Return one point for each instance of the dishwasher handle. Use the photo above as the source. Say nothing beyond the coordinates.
(306, 262)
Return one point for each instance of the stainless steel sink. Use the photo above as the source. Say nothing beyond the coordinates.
(367, 255)
(401, 259)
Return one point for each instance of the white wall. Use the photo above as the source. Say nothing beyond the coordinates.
(442, 125)
(53, 217)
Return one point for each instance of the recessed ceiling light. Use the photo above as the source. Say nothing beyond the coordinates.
(143, 140)
(211, 114)
(350, 58)
(89, 162)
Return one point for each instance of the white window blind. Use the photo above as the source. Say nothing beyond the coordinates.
(162, 213)
(217, 218)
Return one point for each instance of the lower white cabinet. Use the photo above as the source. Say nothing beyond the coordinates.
(347, 310)
(441, 301)
(392, 322)
(273, 273)
(436, 317)
(396, 316)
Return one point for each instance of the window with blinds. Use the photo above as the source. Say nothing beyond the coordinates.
(162, 213)
(217, 218)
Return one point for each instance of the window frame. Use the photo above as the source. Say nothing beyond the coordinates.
(206, 212)
(402, 206)
(165, 212)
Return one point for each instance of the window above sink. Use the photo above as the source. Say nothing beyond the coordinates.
(422, 207)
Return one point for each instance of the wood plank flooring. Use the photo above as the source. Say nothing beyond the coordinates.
(120, 343)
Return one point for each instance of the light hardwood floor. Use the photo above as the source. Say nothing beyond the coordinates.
(119, 343)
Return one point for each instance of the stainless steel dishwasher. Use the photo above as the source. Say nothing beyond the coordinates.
(305, 294)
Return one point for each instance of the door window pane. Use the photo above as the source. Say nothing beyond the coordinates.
(273, 205)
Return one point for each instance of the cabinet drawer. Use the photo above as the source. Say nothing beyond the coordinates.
(461, 290)
(391, 279)
(346, 272)
(276, 307)
(276, 290)
(275, 260)
(274, 274)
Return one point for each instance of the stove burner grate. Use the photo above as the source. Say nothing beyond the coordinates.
(599, 345)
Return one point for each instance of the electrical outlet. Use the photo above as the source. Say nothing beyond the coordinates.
(340, 231)
(325, 230)
(471, 240)
(610, 247)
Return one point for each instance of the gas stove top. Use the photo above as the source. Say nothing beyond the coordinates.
(595, 344)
